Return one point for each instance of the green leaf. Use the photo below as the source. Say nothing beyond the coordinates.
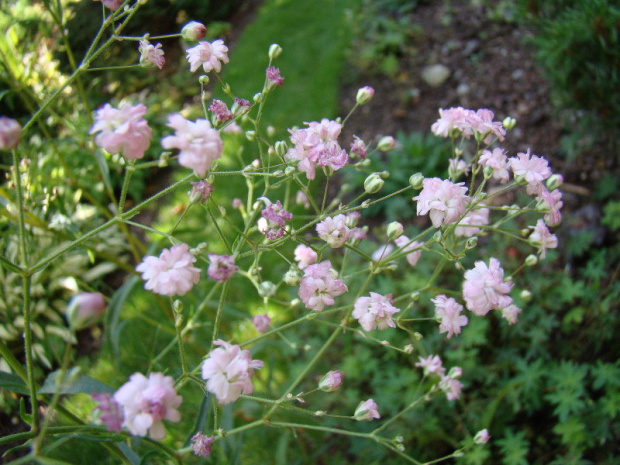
(514, 448)
(13, 383)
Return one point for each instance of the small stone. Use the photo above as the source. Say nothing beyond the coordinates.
(435, 75)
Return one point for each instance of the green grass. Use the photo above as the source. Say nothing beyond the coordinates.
(314, 37)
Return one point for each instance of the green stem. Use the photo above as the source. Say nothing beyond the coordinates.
(13, 362)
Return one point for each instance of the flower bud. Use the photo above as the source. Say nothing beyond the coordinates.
(366, 410)
(203, 80)
(274, 51)
(395, 230)
(331, 381)
(258, 97)
(531, 260)
(416, 180)
(266, 289)
(482, 437)
(281, 148)
(292, 277)
(261, 323)
(408, 349)
(250, 135)
(85, 309)
(201, 191)
(364, 95)
(554, 181)
(525, 295)
(193, 31)
(509, 123)
(373, 183)
(471, 243)
(488, 172)
(10, 130)
(386, 143)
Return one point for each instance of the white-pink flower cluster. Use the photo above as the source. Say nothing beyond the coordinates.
(468, 225)
(272, 223)
(122, 130)
(532, 169)
(151, 55)
(542, 238)
(172, 273)
(198, 142)
(449, 311)
(413, 247)
(228, 372)
(375, 311)
(485, 289)
(334, 230)
(305, 256)
(317, 145)
(209, 55)
(146, 402)
(319, 285)
(498, 162)
(443, 200)
(460, 121)
(449, 383)
(221, 267)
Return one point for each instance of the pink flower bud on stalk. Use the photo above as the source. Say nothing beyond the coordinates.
(386, 143)
(364, 95)
(112, 4)
(85, 309)
(331, 381)
(201, 445)
(261, 322)
(394, 230)
(193, 31)
(366, 411)
(201, 191)
(482, 437)
(10, 130)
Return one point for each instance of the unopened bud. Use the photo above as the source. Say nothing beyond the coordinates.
(488, 172)
(408, 349)
(203, 80)
(416, 181)
(395, 230)
(525, 295)
(364, 95)
(266, 289)
(471, 243)
(193, 31)
(331, 381)
(250, 135)
(509, 123)
(274, 51)
(85, 309)
(482, 437)
(373, 183)
(554, 181)
(281, 148)
(531, 260)
(386, 143)
(258, 97)
(292, 277)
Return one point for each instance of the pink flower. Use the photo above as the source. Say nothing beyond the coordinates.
(551, 203)
(221, 267)
(482, 122)
(443, 200)
(122, 130)
(367, 410)
(273, 220)
(85, 309)
(375, 311)
(530, 168)
(449, 311)
(451, 387)
(201, 444)
(511, 314)
(334, 230)
(407, 245)
(220, 111)
(358, 148)
(198, 142)
(431, 364)
(302, 199)
(172, 273)
(317, 146)
(148, 401)
(10, 131)
(261, 322)
(498, 162)
(331, 381)
(228, 371)
(151, 55)
(477, 216)
(200, 190)
(112, 412)
(542, 238)
(273, 76)
(484, 288)
(451, 122)
(112, 4)
(319, 285)
(193, 31)
(305, 256)
(208, 55)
